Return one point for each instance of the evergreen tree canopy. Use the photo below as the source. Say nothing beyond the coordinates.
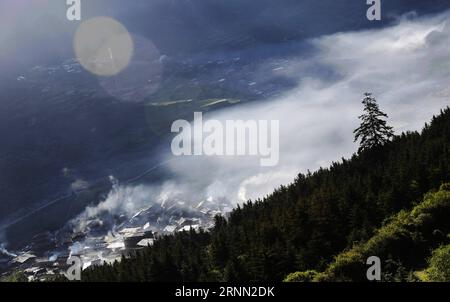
(373, 130)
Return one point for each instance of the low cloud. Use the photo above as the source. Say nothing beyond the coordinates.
(3, 244)
(406, 66)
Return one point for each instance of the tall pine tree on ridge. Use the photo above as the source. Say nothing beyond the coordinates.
(373, 131)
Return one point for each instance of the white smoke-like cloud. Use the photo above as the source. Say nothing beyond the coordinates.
(4, 251)
(406, 66)
(3, 244)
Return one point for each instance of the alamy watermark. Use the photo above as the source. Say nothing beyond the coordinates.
(374, 271)
(74, 10)
(374, 11)
(73, 273)
(229, 138)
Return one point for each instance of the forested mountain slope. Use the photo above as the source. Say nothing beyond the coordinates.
(304, 225)
(403, 245)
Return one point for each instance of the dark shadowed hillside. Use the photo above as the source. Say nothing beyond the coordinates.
(302, 226)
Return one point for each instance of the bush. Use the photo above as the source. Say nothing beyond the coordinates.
(445, 187)
(439, 265)
(16, 276)
(406, 239)
(307, 276)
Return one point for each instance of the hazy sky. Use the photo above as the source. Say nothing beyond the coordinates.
(33, 30)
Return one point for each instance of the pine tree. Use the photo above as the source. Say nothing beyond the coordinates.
(373, 131)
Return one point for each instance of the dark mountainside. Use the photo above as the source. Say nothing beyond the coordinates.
(303, 226)
(405, 244)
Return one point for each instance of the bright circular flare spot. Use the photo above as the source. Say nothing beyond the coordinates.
(103, 46)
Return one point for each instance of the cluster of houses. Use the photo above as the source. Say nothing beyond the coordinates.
(38, 264)
(101, 241)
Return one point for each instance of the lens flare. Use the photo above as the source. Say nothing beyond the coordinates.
(103, 46)
(140, 78)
